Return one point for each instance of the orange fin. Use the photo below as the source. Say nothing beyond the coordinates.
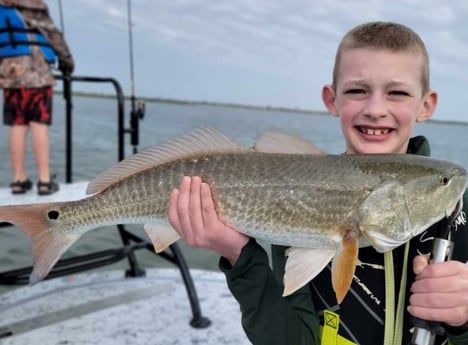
(302, 265)
(344, 264)
(162, 235)
(48, 245)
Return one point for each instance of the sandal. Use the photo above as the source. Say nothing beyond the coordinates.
(47, 188)
(20, 187)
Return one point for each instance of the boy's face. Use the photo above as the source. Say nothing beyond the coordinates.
(378, 98)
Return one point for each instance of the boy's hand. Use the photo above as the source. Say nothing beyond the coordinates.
(192, 214)
(440, 292)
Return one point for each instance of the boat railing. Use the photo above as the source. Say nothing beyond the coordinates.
(68, 96)
(130, 241)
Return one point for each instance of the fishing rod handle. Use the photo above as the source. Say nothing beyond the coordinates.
(442, 250)
(425, 331)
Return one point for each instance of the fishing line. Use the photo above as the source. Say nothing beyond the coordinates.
(130, 43)
(137, 110)
(62, 21)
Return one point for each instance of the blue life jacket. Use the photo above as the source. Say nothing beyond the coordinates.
(16, 39)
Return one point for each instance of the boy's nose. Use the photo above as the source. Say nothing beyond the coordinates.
(375, 106)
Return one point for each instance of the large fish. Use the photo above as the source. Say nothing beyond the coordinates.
(323, 206)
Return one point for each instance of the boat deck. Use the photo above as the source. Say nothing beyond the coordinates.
(67, 191)
(106, 308)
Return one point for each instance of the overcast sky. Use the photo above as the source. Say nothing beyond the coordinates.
(260, 52)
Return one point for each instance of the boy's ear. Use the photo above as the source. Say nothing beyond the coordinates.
(428, 106)
(328, 98)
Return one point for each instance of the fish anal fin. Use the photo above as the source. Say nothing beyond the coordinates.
(302, 265)
(161, 235)
(344, 264)
(276, 141)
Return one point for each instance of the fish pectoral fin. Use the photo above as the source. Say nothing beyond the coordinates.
(161, 235)
(344, 264)
(302, 265)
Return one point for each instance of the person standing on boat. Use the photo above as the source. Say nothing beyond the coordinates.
(29, 44)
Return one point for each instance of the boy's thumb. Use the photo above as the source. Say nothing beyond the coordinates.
(419, 263)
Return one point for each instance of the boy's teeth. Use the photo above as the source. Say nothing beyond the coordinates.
(370, 131)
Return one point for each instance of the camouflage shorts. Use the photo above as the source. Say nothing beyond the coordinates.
(21, 106)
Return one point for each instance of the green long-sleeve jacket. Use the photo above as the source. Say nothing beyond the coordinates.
(269, 319)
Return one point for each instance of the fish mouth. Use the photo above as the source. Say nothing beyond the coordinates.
(374, 131)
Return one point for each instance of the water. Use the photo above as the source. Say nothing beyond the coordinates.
(95, 149)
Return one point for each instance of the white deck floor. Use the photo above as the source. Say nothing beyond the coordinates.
(106, 309)
(67, 191)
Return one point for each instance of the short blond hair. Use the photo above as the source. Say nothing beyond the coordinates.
(384, 36)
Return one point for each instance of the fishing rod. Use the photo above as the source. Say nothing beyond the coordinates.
(62, 23)
(137, 108)
(425, 331)
(67, 95)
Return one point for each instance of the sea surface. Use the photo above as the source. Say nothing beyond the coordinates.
(95, 149)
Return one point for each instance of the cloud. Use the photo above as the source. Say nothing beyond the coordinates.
(285, 48)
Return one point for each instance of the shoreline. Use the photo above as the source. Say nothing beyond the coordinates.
(233, 105)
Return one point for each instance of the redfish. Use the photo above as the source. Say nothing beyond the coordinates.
(283, 192)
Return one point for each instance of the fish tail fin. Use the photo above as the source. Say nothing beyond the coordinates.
(48, 245)
(161, 235)
(344, 264)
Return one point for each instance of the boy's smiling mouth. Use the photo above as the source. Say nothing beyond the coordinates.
(374, 131)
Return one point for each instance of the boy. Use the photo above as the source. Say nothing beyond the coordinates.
(380, 90)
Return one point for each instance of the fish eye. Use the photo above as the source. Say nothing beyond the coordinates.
(53, 214)
(444, 180)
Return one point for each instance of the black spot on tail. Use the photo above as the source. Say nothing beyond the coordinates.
(53, 215)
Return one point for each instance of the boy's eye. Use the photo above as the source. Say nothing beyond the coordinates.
(355, 91)
(398, 93)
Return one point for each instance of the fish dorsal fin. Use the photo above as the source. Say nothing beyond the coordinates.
(276, 141)
(202, 140)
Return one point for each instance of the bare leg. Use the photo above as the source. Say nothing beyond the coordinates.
(18, 151)
(40, 144)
